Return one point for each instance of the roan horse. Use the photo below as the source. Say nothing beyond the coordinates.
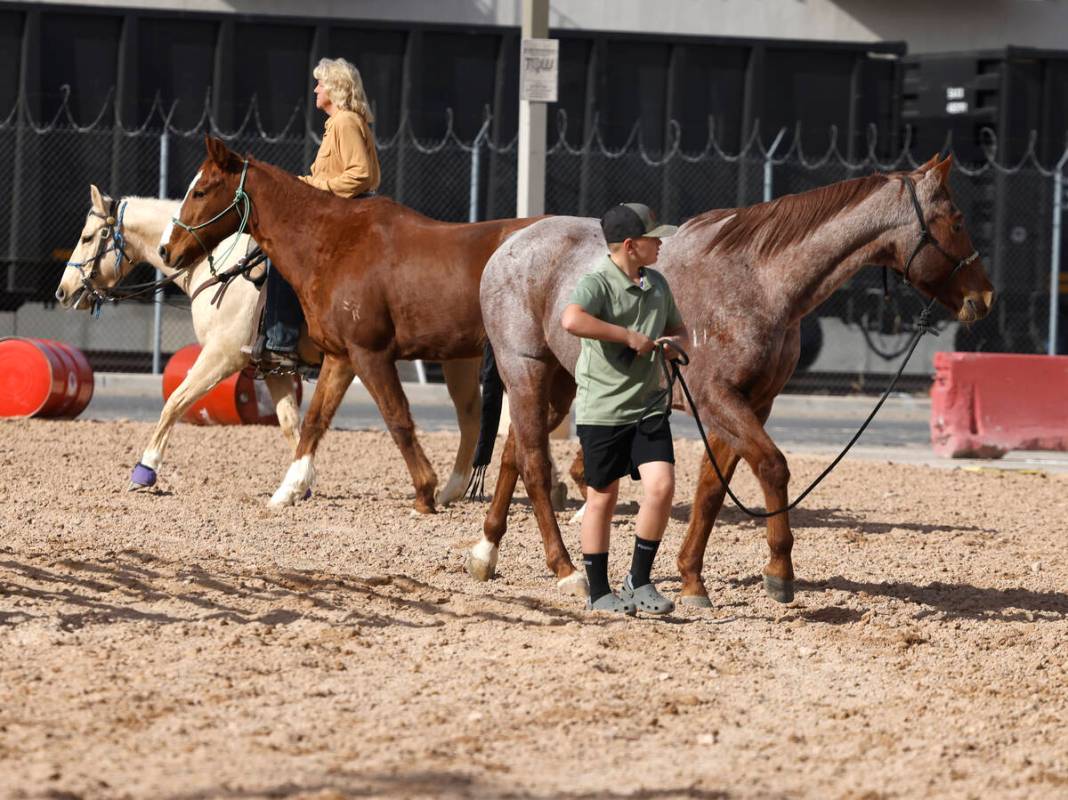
(118, 234)
(743, 279)
(378, 282)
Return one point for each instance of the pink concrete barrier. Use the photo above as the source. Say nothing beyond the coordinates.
(986, 404)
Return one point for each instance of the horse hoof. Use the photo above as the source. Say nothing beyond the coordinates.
(558, 496)
(779, 589)
(481, 562)
(283, 497)
(452, 492)
(574, 584)
(695, 600)
(142, 478)
(577, 519)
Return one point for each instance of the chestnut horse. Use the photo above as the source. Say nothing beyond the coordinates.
(743, 279)
(378, 282)
(120, 233)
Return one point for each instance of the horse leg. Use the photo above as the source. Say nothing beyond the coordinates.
(578, 475)
(379, 374)
(212, 365)
(481, 563)
(283, 391)
(461, 376)
(527, 453)
(707, 502)
(335, 376)
(735, 414)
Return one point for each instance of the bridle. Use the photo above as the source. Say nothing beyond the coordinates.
(110, 239)
(928, 238)
(241, 203)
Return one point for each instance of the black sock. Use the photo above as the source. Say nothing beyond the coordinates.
(641, 563)
(596, 574)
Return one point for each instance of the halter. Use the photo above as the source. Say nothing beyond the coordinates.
(928, 238)
(241, 203)
(110, 240)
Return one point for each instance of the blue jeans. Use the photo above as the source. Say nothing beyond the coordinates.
(282, 315)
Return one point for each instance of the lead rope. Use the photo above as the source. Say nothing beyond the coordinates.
(923, 325)
(675, 374)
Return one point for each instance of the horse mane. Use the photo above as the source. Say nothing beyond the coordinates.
(321, 197)
(773, 226)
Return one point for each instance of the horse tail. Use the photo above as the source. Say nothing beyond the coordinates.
(490, 420)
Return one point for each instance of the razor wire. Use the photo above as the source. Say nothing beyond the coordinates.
(1009, 207)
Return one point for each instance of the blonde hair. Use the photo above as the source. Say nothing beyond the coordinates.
(344, 85)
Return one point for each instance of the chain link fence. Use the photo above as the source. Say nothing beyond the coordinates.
(852, 343)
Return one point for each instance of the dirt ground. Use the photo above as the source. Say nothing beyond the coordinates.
(192, 643)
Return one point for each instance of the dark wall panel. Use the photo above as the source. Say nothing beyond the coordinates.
(80, 50)
(810, 87)
(379, 55)
(632, 84)
(11, 26)
(457, 71)
(178, 55)
(272, 63)
(710, 82)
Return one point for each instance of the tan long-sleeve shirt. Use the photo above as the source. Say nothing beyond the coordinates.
(347, 162)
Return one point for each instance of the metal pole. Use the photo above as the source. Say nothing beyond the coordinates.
(530, 189)
(1055, 255)
(476, 165)
(157, 318)
(767, 164)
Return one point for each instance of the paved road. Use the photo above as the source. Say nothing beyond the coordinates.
(799, 423)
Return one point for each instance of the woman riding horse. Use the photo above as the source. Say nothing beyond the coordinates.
(347, 166)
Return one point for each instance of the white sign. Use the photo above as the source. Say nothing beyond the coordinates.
(538, 63)
(954, 93)
(957, 107)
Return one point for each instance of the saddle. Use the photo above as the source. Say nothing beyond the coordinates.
(309, 358)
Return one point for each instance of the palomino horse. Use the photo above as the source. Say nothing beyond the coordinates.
(743, 279)
(378, 282)
(107, 251)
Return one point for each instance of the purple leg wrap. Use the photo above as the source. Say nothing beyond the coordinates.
(307, 493)
(143, 476)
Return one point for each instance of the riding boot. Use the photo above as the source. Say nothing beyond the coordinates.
(282, 316)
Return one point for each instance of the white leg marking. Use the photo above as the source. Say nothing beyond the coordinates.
(575, 584)
(453, 489)
(299, 478)
(482, 560)
(577, 519)
(152, 459)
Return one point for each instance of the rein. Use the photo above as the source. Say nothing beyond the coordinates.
(113, 240)
(673, 373)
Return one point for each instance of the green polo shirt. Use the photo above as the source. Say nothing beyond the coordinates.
(609, 391)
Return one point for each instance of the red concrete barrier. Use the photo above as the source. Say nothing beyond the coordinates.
(43, 378)
(986, 404)
(237, 400)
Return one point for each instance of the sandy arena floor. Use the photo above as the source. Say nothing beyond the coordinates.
(191, 643)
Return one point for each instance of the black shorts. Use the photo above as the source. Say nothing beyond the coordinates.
(611, 451)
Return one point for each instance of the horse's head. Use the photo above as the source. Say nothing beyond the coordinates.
(215, 206)
(936, 252)
(99, 260)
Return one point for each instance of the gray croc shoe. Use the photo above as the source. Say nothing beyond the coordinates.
(646, 598)
(611, 602)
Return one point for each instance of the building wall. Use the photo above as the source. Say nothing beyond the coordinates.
(926, 26)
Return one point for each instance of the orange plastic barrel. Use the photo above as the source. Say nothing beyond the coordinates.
(238, 400)
(43, 378)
